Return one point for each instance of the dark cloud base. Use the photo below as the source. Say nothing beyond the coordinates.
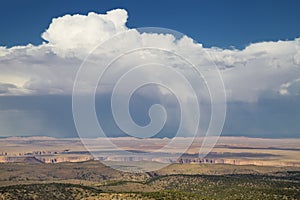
(51, 115)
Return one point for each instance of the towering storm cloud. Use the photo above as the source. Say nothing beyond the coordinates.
(262, 81)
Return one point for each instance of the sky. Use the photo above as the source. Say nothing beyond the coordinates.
(254, 47)
(218, 23)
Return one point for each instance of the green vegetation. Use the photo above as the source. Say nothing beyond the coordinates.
(47, 191)
(86, 181)
(244, 186)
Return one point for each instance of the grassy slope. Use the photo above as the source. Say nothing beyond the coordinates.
(91, 180)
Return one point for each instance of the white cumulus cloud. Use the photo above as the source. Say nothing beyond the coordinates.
(50, 68)
(74, 34)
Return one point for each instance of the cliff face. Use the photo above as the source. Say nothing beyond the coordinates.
(53, 159)
(235, 162)
(82, 158)
(45, 159)
(28, 159)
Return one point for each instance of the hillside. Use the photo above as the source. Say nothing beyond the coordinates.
(93, 180)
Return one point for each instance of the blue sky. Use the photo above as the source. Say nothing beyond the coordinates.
(221, 23)
(254, 44)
